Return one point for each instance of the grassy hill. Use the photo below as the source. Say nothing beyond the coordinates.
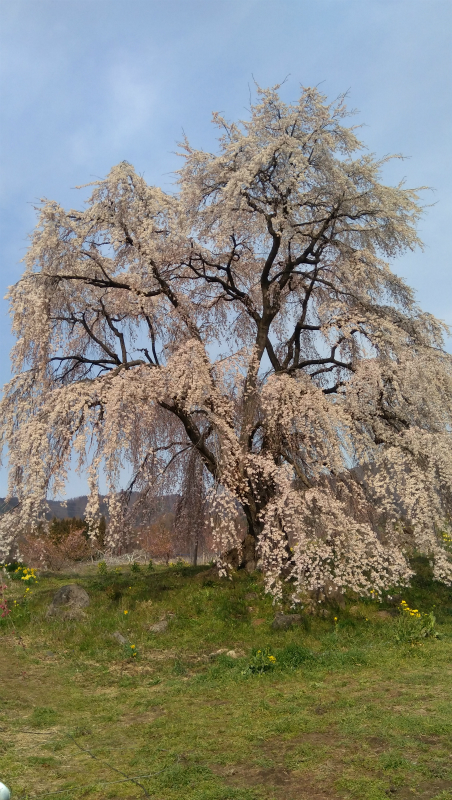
(351, 704)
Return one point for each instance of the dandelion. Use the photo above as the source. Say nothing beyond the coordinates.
(132, 646)
(126, 612)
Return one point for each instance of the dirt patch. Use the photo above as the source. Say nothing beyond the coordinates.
(160, 655)
(430, 739)
(142, 717)
(424, 791)
(279, 747)
(131, 670)
(377, 744)
(106, 691)
(280, 783)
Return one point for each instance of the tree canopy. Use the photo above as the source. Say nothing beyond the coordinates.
(250, 319)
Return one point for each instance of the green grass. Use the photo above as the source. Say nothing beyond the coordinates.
(348, 711)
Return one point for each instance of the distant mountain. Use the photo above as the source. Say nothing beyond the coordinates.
(76, 506)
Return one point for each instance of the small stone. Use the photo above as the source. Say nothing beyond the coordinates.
(284, 621)
(119, 638)
(235, 653)
(159, 627)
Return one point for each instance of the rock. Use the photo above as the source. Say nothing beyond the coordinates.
(119, 638)
(223, 651)
(383, 615)
(219, 652)
(159, 627)
(284, 621)
(68, 602)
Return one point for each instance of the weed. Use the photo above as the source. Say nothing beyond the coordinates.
(261, 661)
(3, 601)
(294, 656)
(413, 625)
(42, 717)
(179, 667)
(130, 651)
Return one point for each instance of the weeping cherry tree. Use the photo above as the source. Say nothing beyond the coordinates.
(250, 320)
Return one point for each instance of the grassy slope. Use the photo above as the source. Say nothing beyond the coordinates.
(364, 717)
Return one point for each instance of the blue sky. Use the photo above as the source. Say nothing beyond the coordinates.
(85, 84)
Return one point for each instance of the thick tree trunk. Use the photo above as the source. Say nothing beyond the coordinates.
(245, 556)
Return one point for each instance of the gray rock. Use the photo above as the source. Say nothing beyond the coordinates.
(159, 627)
(119, 638)
(284, 621)
(68, 602)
